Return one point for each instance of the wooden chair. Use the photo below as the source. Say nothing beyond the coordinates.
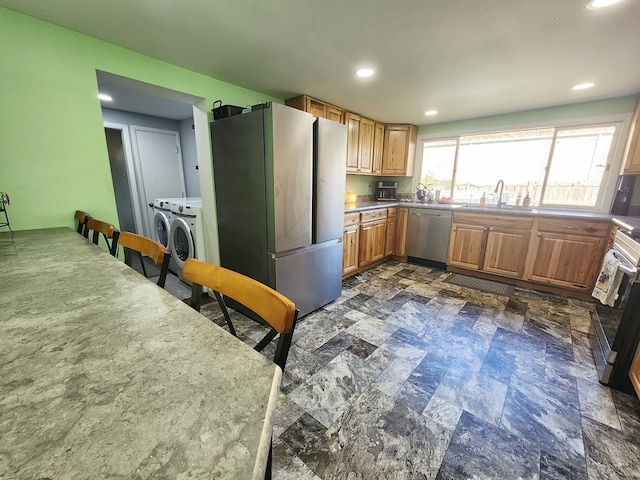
(132, 242)
(108, 231)
(276, 310)
(82, 218)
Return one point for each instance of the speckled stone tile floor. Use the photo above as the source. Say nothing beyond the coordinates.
(408, 377)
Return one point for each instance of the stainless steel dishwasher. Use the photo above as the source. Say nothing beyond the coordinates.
(428, 233)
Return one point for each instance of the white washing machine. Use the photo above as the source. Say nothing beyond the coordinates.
(162, 218)
(187, 232)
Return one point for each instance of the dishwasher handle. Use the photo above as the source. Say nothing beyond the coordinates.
(426, 214)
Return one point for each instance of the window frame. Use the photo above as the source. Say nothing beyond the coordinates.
(612, 170)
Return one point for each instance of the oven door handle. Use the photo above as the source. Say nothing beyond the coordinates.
(628, 270)
(624, 265)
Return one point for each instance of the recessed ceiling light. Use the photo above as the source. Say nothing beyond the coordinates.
(365, 72)
(105, 97)
(583, 86)
(597, 4)
(430, 113)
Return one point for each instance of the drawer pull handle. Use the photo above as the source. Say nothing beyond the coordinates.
(570, 227)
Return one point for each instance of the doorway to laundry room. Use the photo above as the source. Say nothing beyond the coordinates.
(151, 141)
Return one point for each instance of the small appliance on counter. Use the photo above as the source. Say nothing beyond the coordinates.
(387, 190)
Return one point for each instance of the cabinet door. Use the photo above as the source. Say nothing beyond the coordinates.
(400, 247)
(399, 149)
(365, 246)
(390, 242)
(365, 160)
(379, 240)
(350, 249)
(334, 113)
(316, 108)
(378, 146)
(506, 252)
(466, 246)
(353, 141)
(632, 150)
(569, 261)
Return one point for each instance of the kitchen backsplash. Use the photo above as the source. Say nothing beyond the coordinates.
(365, 185)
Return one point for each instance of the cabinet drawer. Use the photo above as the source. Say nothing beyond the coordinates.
(574, 227)
(372, 215)
(500, 221)
(351, 219)
(391, 212)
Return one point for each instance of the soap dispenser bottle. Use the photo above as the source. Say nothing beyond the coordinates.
(526, 201)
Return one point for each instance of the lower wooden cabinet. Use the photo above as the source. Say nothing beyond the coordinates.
(373, 230)
(350, 243)
(490, 243)
(368, 238)
(570, 260)
(390, 242)
(466, 246)
(563, 253)
(506, 252)
(400, 245)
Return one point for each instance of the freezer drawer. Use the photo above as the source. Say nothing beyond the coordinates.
(428, 234)
(312, 277)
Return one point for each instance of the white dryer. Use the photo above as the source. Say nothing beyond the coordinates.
(187, 233)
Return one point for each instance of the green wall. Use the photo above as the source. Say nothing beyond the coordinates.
(550, 115)
(359, 184)
(54, 157)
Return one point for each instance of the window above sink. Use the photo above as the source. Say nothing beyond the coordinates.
(559, 167)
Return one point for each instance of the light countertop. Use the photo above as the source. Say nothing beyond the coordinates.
(505, 210)
(106, 375)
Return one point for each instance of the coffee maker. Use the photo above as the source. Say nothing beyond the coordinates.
(387, 191)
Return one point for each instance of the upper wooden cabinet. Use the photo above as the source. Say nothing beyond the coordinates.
(399, 149)
(373, 148)
(317, 108)
(378, 147)
(360, 133)
(632, 150)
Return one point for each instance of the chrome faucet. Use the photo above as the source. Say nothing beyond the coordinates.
(500, 185)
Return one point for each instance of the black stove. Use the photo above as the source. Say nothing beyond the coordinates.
(615, 331)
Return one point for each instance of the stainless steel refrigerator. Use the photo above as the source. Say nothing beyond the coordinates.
(279, 176)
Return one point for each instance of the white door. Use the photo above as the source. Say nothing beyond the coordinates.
(160, 161)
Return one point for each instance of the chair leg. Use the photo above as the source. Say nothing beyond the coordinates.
(267, 473)
(225, 312)
(163, 270)
(144, 270)
(284, 343)
(196, 296)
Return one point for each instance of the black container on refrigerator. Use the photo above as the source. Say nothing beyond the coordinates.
(624, 192)
(279, 178)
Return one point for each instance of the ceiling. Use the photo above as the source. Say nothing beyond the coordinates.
(464, 58)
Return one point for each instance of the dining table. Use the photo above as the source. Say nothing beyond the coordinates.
(103, 374)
